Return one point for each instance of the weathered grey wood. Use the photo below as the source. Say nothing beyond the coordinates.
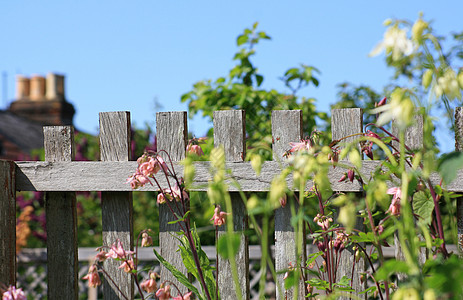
(61, 218)
(7, 223)
(414, 140)
(346, 122)
(86, 176)
(286, 128)
(459, 147)
(413, 134)
(116, 207)
(229, 132)
(172, 135)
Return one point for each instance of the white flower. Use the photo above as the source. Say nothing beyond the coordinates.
(395, 42)
(448, 85)
(400, 109)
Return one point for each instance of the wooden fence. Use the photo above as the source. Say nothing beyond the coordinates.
(60, 178)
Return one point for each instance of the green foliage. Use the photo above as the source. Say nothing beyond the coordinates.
(242, 89)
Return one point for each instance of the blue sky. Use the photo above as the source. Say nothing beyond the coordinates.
(121, 55)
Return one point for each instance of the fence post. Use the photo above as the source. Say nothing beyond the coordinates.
(414, 140)
(116, 207)
(345, 122)
(61, 218)
(171, 136)
(7, 223)
(229, 131)
(459, 147)
(286, 128)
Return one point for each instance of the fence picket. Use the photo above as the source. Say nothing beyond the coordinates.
(172, 135)
(61, 218)
(229, 131)
(7, 223)
(116, 207)
(286, 128)
(414, 140)
(459, 147)
(345, 122)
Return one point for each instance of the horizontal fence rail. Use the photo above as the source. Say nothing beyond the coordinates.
(61, 177)
(86, 176)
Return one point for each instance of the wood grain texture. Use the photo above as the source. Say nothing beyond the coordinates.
(61, 216)
(413, 134)
(172, 135)
(414, 140)
(7, 223)
(286, 128)
(116, 207)
(459, 147)
(345, 122)
(229, 132)
(86, 176)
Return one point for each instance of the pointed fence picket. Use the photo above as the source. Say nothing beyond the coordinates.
(61, 177)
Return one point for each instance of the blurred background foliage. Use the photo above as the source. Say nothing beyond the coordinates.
(429, 65)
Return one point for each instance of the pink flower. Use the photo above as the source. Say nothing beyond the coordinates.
(283, 201)
(163, 293)
(176, 192)
(117, 251)
(146, 240)
(219, 216)
(146, 168)
(158, 164)
(92, 277)
(161, 199)
(303, 145)
(323, 221)
(101, 256)
(15, 294)
(184, 297)
(194, 149)
(394, 208)
(127, 265)
(149, 285)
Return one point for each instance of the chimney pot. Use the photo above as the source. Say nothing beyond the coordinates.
(22, 87)
(55, 87)
(37, 88)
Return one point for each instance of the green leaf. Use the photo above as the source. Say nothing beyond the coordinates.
(390, 267)
(259, 79)
(291, 280)
(242, 39)
(224, 240)
(179, 275)
(449, 164)
(423, 205)
(179, 219)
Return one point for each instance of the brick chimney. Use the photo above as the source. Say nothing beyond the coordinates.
(42, 100)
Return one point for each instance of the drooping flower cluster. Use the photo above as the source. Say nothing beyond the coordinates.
(340, 241)
(177, 192)
(148, 166)
(323, 221)
(12, 293)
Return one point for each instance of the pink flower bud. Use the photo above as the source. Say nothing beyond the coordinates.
(351, 175)
(381, 103)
